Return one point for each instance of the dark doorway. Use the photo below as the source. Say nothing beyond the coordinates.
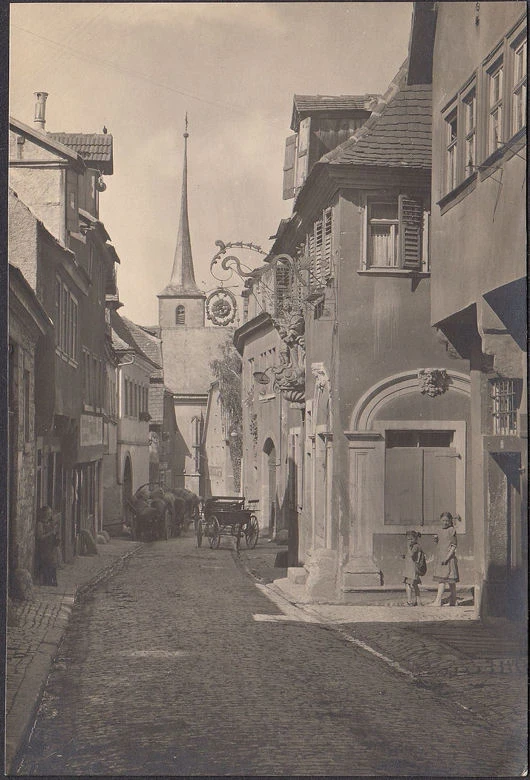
(127, 488)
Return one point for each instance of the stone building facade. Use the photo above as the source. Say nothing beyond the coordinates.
(479, 253)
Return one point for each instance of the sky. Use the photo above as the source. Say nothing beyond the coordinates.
(137, 68)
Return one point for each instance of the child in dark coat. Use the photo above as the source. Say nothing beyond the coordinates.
(411, 576)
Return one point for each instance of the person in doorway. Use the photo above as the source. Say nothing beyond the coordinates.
(412, 573)
(46, 544)
(445, 562)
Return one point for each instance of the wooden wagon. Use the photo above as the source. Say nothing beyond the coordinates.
(227, 515)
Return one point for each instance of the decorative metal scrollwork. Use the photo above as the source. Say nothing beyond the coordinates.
(221, 307)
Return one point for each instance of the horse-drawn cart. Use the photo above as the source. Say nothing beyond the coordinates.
(157, 512)
(227, 516)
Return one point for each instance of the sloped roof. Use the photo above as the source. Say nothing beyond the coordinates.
(92, 147)
(149, 344)
(399, 136)
(118, 343)
(311, 104)
(47, 140)
(122, 331)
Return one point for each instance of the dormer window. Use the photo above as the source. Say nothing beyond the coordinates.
(180, 315)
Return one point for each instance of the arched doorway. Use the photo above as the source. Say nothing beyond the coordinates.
(127, 488)
(269, 480)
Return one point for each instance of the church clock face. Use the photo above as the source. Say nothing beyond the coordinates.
(221, 307)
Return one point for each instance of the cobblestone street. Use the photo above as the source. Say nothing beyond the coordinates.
(179, 665)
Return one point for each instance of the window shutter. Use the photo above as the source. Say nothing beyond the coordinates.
(410, 229)
(439, 483)
(283, 278)
(403, 486)
(289, 167)
(72, 212)
(317, 256)
(327, 246)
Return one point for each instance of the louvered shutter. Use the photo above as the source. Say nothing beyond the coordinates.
(289, 167)
(283, 276)
(317, 256)
(410, 230)
(327, 246)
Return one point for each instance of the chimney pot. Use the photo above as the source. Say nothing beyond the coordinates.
(40, 109)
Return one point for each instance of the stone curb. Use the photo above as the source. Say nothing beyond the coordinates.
(32, 687)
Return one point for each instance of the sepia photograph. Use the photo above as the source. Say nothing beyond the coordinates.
(266, 429)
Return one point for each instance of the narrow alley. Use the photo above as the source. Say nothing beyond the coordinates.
(179, 665)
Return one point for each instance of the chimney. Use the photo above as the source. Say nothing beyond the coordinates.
(40, 109)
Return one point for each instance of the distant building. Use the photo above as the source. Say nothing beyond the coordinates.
(126, 465)
(188, 347)
(475, 56)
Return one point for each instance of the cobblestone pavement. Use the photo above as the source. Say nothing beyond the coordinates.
(179, 665)
(35, 629)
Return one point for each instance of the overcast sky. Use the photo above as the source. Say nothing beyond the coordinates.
(234, 67)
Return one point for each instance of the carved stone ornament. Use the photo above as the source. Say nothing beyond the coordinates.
(321, 376)
(291, 327)
(289, 378)
(433, 381)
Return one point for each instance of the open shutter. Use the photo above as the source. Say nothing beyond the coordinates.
(289, 167)
(439, 483)
(327, 246)
(403, 486)
(72, 205)
(410, 230)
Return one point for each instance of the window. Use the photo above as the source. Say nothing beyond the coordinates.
(283, 287)
(452, 150)
(420, 476)
(506, 399)
(319, 250)
(519, 86)
(495, 106)
(180, 315)
(66, 324)
(395, 234)
(470, 128)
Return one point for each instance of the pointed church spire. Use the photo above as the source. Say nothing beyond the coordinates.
(182, 276)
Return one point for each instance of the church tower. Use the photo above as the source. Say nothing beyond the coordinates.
(188, 347)
(181, 303)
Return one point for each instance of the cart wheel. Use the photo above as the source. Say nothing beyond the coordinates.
(214, 532)
(252, 532)
(199, 533)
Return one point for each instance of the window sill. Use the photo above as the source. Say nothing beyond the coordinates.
(458, 193)
(407, 272)
(64, 356)
(505, 152)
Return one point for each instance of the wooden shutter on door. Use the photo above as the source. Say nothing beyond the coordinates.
(289, 167)
(403, 486)
(439, 483)
(410, 230)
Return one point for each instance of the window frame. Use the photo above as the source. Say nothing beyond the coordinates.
(518, 84)
(402, 200)
(66, 322)
(180, 315)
